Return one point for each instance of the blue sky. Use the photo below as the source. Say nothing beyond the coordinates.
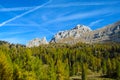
(23, 20)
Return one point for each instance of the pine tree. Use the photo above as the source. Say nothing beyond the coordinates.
(104, 67)
(84, 74)
(118, 70)
(6, 70)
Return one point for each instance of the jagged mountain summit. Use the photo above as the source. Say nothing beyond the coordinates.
(82, 27)
(70, 35)
(37, 42)
(83, 33)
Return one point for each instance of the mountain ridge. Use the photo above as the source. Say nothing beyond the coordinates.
(85, 34)
(82, 33)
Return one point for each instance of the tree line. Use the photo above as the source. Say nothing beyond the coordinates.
(58, 61)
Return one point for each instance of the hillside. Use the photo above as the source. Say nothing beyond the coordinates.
(60, 62)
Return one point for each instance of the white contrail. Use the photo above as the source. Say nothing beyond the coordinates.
(16, 9)
(38, 7)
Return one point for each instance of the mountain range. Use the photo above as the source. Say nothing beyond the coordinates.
(82, 33)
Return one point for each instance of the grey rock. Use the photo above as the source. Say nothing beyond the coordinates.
(37, 42)
(83, 33)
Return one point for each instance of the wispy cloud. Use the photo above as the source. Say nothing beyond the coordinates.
(27, 12)
(81, 4)
(13, 40)
(32, 9)
(29, 25)
(59, 5)
(95, 22)
(16, 9)
(23, 25)
(16, 32)
(79, 16)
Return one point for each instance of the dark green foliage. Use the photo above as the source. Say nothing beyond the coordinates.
(58, 61)
(104, 67)
(118, 70)
(84, 72)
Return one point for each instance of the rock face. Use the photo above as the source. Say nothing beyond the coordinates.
(37, 42)
(72, 35)
(83, 33)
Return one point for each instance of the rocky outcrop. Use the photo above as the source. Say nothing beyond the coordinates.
(108, 33)
(36, 42)
(69, 36)
(83, 33)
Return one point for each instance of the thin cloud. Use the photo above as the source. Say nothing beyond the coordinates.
(13, 40)
(16, 32)
(79, 16)
(58, 5)
(30, 25)
(32, 10)
(16, 9)
(81, 4)
(95, 22)
(23, 25)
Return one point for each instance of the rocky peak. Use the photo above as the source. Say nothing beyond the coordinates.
(82, 33)
(82, 27)
(36, 42)
(44, 41)
(76, 32)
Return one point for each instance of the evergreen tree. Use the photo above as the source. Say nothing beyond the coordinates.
(118, 70)
(104, 67)
(84, 73)
(6, 70)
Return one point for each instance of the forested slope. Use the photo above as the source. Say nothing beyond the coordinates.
(58, 61)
